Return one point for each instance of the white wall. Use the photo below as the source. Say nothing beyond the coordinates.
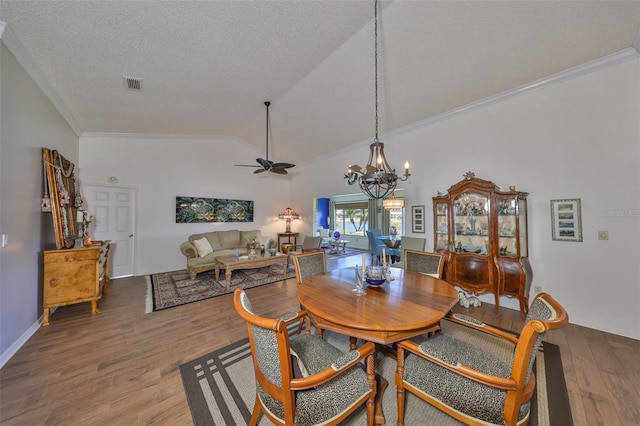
(161, 168)
(577, 139)
(29, 122)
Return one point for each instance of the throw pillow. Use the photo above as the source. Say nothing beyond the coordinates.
(203, 247)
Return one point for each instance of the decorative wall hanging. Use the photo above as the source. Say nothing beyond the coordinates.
(566, 220)
(417, 219)
(204, 210)
(61, 196)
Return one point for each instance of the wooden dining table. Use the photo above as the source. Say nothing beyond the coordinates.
(397, 310)
(409, 305)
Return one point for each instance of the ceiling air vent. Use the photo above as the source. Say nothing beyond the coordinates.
(132, 83)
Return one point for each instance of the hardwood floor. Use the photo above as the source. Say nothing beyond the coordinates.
(121, 367)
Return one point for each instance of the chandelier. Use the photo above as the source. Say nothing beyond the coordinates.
(377, 179)
(393, 203)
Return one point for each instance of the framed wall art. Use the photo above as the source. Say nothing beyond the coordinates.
(417, 219)
(566, 220)
(203, 210)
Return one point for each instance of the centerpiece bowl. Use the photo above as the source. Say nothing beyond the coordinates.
(374, 275)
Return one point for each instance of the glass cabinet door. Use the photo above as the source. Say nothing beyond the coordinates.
(522, 225)
(471, 222)
(441, 226)
(512, 222)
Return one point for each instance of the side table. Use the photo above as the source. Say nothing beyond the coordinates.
(288, 236)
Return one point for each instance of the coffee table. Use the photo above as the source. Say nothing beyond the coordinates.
(232, 263)
(335, 246)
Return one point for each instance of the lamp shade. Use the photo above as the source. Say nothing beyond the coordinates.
(393, 203)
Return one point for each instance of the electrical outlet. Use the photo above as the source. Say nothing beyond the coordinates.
(603, 235)
(537, 289)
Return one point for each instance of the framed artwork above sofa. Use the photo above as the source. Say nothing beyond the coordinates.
(203, 210)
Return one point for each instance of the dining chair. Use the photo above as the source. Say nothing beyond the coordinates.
(424, 262)
(469, 383)
(376, 245)
(309, 244)
(410, 243)
(307, 265)
(330, 384)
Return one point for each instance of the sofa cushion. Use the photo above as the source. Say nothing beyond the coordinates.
(246, 236)
(211, 236)
(203, 247)
(230, 239)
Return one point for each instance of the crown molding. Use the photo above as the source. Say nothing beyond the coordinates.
(575, 72)
(569, 74)
(23, 58)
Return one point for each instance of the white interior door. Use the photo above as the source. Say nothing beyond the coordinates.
(114, 211)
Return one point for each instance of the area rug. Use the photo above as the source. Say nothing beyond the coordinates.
(169, 289)
(220, 386)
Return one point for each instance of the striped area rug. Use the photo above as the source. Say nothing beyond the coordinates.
(220, 386)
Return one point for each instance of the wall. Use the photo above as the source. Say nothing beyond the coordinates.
(161, 168)
(29, 122)
(576, 139)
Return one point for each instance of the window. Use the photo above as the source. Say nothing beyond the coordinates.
(396, 219)
(351, 218)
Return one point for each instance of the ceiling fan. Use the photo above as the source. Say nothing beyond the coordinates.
(266, 165)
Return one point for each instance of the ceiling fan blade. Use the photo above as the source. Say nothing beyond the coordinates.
(246, 165)
(279, 171)
(264, 163)
(283, 165)
(259, 171)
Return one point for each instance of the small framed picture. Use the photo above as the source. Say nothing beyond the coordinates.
(417, 219)
(566, 220)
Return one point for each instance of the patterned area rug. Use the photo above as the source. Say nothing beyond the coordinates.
(169, 289)
(220, 386)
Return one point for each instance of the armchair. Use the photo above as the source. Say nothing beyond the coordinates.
(332, 385)
(471, 384)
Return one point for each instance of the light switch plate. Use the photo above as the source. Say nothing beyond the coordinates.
(5, 240)
(603, 235)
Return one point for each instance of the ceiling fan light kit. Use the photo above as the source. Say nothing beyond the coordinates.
(266, 165)
(377, 179)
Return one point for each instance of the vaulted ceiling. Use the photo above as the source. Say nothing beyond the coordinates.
(208, 66)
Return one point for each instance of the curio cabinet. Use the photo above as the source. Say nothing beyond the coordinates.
(483, 233)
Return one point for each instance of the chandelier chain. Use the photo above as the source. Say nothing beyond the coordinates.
(377, 179)
(375, 32)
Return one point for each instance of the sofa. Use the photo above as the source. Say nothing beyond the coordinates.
(201, 250)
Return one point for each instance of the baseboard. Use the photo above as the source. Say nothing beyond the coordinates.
(15, 347)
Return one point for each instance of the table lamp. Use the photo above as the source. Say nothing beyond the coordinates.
(288, 215)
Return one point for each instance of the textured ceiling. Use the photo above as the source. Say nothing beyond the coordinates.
(208, 66)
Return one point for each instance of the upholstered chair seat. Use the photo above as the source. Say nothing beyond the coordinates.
(461, 394)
